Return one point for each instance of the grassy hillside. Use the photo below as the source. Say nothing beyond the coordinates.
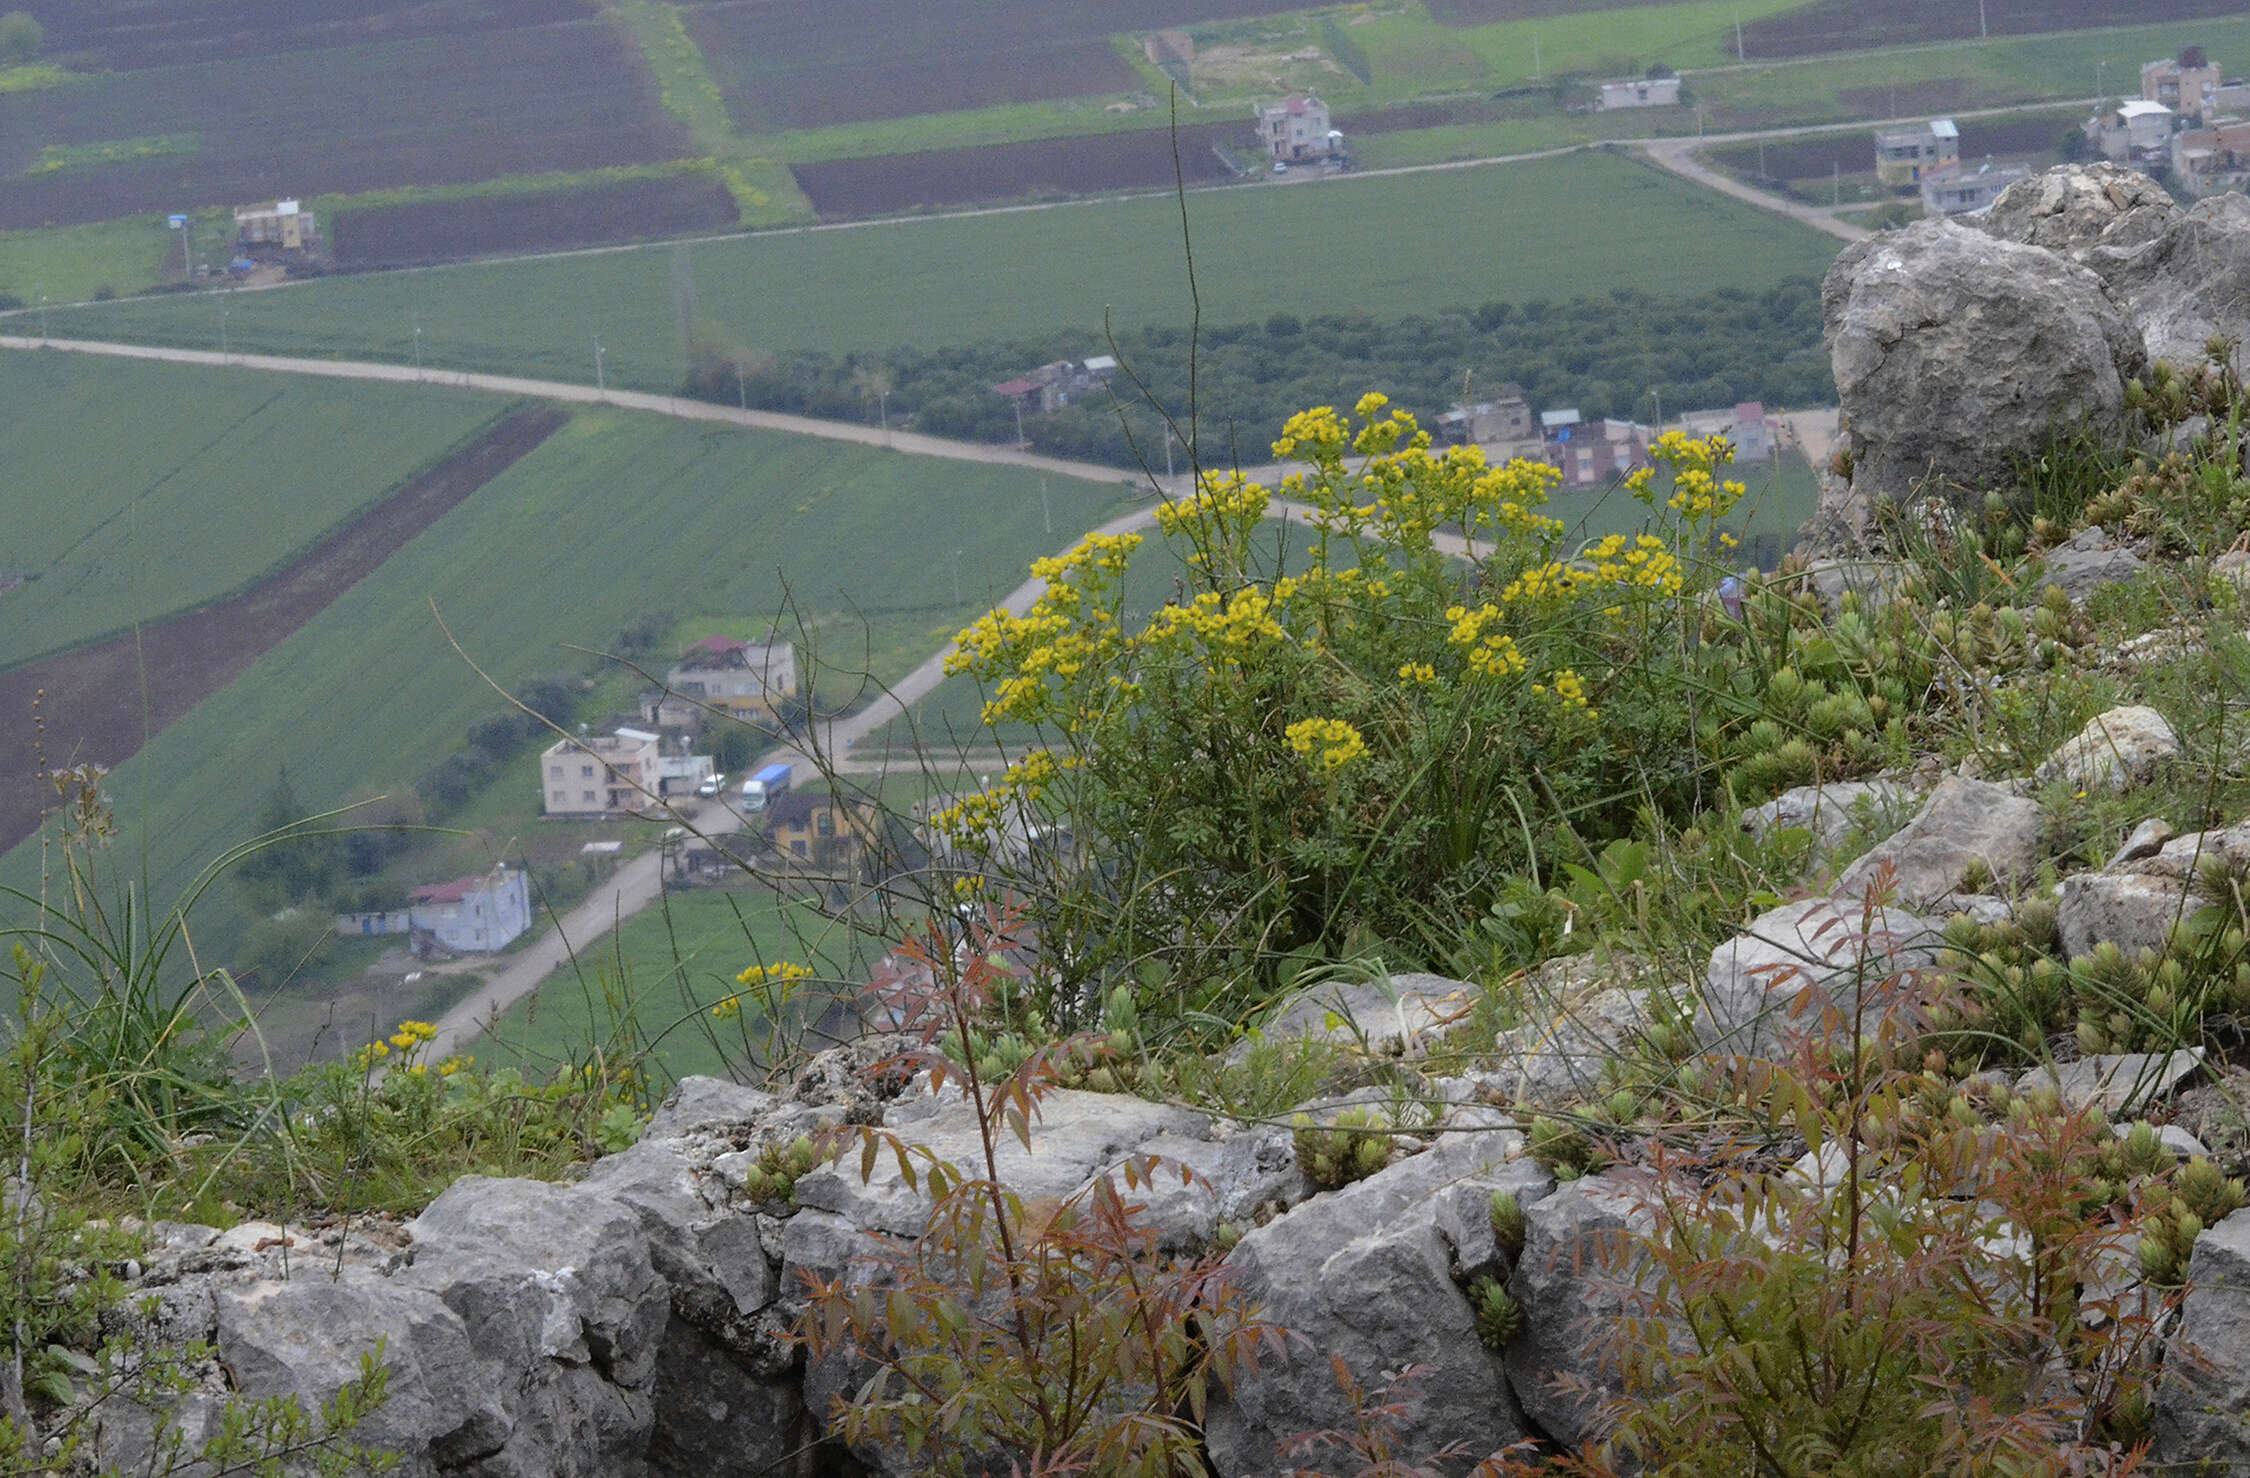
(135, 490)
(1550, 229)
(614, 516)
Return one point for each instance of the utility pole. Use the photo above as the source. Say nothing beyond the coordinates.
(1167, 451)
(1659, 397)
(741, 386)
(224, 351)
(417, 317)
(1762, 175)
(1738, 53)
(1835, 183)
(1019, 422)
(42, 318)
(883, 404)
(601, 381)
(957, 577)
(1984, 32)
(1535, 67)
(1046, 508)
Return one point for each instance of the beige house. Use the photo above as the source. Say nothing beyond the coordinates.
(1904, 155)
(2187, 84)
(743, 680)
(280, 224)
(602, 775)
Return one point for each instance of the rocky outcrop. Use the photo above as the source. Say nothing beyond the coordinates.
(1369, 1275)
(1958, 355)
(2087, 561)
(2179, 274)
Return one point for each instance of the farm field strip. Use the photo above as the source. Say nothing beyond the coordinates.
(100, 703)
(1446, 237)
(344, 119)
(136, 491)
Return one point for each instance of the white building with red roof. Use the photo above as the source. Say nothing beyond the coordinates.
(472, 915)
(1296, 131)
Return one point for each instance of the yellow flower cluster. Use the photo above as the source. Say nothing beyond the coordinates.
(1058, 637)
(1230, 625)
(1643, 563)
(781, 973)
(407, 1040)
(1567, 688)
(975, 819)
(1418, 672)
(1311, 434)
(1328, 744)
(1491, 653)
(1232, 498)
(1698, 493)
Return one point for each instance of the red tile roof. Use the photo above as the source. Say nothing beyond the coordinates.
(718, 645)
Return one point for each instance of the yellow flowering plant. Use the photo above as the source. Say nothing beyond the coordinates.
(1354, 727)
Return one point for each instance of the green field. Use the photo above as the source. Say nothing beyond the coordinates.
(615, 515)
(136, 490)
(674, 962)
(1551, 229)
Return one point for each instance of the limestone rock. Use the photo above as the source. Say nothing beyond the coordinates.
(1393, 1017)
(1755, 979)
(706, 1103)
(1568, 1283)
(2116, 750)
(1956, 354)
(1833, 811)
(304, 1338)
(2095, 214)
(2130, 910)
(1579, 1012)
(1366, 1273)
(2206, 1383)
(1964, 825)
(2090, 560)
(2185, 287)
(1872, 580)
(2121, 1082)
(2147, 840)
(1073, 1136)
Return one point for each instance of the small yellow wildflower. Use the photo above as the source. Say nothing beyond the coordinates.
(1418, 672)
(1337, 743)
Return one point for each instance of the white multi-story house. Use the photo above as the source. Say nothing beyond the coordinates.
(1296, 131)
(601, 775)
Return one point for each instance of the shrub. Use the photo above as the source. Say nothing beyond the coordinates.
(1275, 757)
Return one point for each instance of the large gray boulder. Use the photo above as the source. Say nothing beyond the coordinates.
(2095, 214)
(2183, 276)
(2192, 283)
(2087, 561)
(1833, 811)
(1956, 356)
(2133, 911)
(2203, 1400)
(1368, 1274)
(304, 1339)
(1966, 826)
(1828, 947)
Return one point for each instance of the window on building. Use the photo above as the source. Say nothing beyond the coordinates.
(554, 772)
(558, 797)
(585, 772)
(798, 848)
(825, 824)
(587, 796)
